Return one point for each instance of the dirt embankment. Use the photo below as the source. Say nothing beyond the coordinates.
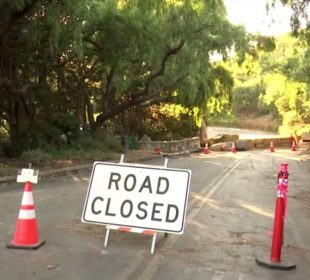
(265, 123)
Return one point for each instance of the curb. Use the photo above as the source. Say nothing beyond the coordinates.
(49, 173)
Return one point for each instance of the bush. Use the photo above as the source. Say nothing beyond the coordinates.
(88, 142)
(14, 149)
(169, 122)
(68, 124)
(160, 125)
(36, 157)
(246, 100)
(100, 140)
(223, 119)
(112, 143)
(45, 135)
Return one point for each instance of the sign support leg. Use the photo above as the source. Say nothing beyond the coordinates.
(155, 234)
(166, 165)
(166, 162)
(106, 240)
(153, 243)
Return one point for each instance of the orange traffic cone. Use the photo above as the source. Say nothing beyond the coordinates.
(271, 148)
(206, 149)
(293, 148)
(233, 148)
(26, 233)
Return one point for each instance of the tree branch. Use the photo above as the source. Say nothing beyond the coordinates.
(161, 71)
(92, 42)
(154, 98)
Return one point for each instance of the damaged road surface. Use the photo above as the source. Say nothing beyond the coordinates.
(229, 221)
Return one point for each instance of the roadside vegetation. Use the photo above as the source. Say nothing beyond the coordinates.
(81, 82)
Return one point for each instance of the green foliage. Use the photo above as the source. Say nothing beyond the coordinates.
(168, 123)
(7, 169)
(99, 146)
(101, 140)
(265, 43)
(16, 148)
(300, 21)
(9, 149)
(286, 88)
(161, 61)
(274, 83)
(223, 119)
(84, 155)
(61, 59)
(246, 99)
(68, 124)
(36, 157)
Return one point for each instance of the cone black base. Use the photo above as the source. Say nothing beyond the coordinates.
(283, 265)
(26, 247)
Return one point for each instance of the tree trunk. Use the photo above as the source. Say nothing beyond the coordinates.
(90, 113)
(203, 135)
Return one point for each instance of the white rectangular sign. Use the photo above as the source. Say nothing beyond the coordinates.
(140, 196)
(27, 174)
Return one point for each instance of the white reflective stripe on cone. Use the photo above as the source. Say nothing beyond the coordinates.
(130, 229)
(27, 214)
(27, 198)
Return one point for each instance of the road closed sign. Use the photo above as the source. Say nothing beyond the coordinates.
(130, 195)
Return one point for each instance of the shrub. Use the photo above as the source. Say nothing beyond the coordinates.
(36, 157)
(88, 142)
(161, 125)
(68, 124)
(14, 149)
(107, 141)
(246, 100)
(100, 140)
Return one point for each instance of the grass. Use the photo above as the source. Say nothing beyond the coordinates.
(69, 158)
(7, 169)
(99, 147)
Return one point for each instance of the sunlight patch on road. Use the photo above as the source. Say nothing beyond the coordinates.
(212, 203)
(199, 225)
(257, 210)
(281, 154)
(76, 179)
(221, 154)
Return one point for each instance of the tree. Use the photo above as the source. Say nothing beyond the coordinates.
(167, 53)
(277, 83)
(297, 68)
(300, 20)
(68, 58)
(287, 84)
(34, 35)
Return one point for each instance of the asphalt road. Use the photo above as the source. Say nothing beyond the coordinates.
(229, 222)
